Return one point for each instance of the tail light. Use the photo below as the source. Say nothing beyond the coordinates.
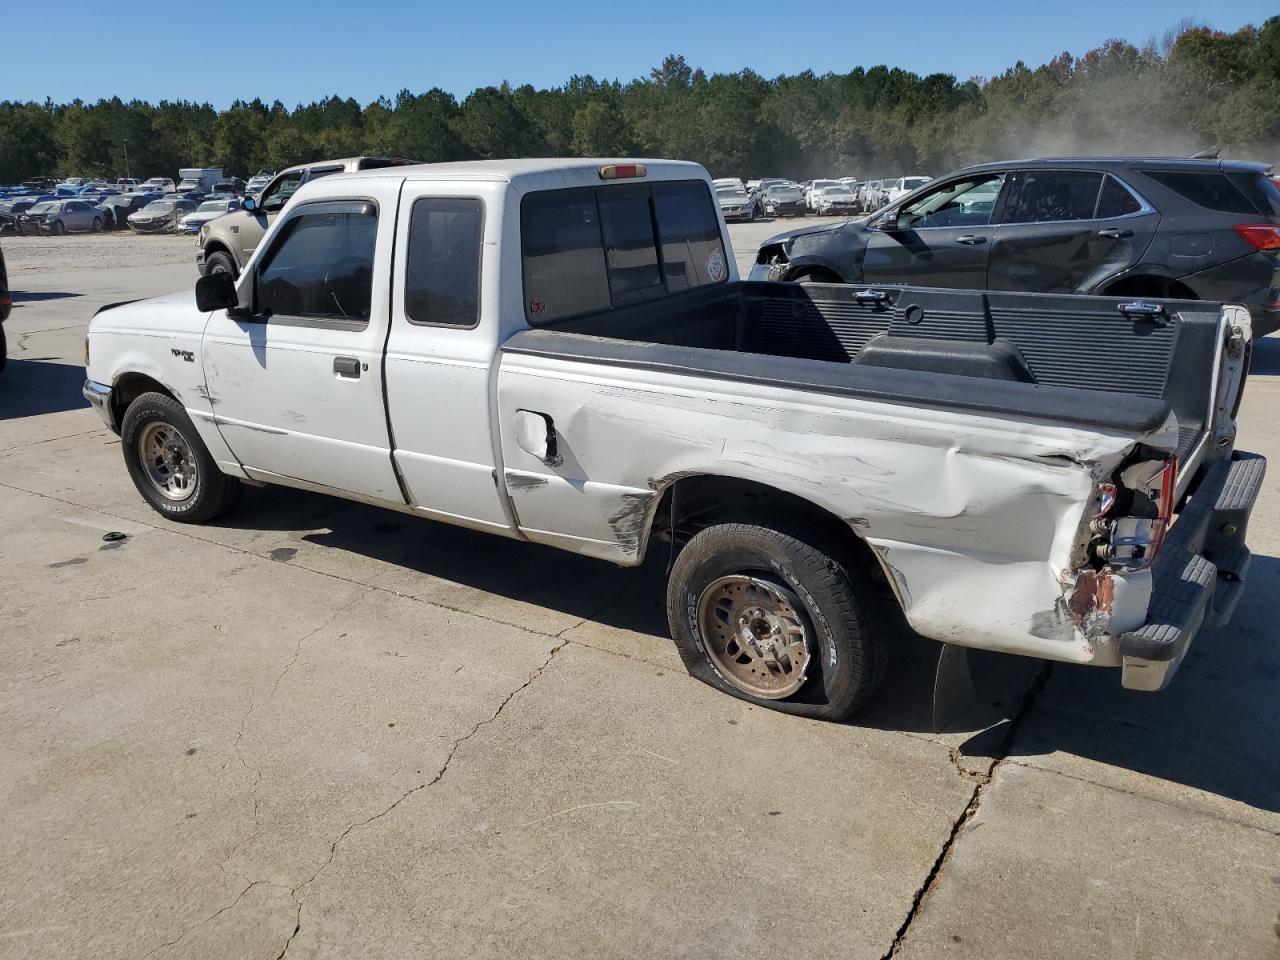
(1133, 518)
(1260, 236)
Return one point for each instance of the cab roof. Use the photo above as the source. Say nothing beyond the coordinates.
(539, 173)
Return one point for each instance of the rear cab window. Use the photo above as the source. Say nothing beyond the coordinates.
(586, 249)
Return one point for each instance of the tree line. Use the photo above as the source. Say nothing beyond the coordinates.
(1196, 88)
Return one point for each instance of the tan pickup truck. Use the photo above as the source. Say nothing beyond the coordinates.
(225, 245)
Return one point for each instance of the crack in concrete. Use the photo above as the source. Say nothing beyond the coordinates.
(981, 782)
(253, 705)
(199, 923)
(440, 774)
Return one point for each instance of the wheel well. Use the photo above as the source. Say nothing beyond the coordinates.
(1151, 286)
(692, 503)
(128, 388)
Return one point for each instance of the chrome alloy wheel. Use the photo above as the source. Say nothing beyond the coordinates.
(168, 461)
(754, 631)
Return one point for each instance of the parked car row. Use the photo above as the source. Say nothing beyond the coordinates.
(780, 197)
(159, 204)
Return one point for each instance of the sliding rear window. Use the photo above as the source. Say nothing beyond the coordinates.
(592, 248)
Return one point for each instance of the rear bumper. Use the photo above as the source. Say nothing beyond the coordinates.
(1199, 576)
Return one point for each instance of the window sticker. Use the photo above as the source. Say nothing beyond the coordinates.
(715, 266)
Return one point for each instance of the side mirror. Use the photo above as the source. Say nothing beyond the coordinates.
(216, 291)
(250, 204)
(889, 223)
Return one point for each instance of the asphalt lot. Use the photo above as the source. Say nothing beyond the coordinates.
(325, 730)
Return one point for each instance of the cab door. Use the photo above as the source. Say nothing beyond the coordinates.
(296, 381)
(440, 353)
(1067, 231)
(942, 239)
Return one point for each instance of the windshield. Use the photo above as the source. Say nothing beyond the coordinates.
(46, 207)
(839, 188)
(159, 206)
(912, 182)
(212, 206)
(782, 188)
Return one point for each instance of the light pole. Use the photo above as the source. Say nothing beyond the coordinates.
(126, 158)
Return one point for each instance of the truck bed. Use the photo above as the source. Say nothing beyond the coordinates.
(1065, 358)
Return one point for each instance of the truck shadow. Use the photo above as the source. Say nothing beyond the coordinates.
(1215, 728)
(29, 388)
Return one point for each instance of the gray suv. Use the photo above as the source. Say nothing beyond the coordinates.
(1166, 228)
(225, 245)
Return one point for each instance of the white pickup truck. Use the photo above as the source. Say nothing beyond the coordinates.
(562, 352)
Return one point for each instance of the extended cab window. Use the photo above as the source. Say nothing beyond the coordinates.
(321, 263)
(442, 278)
(1045, 196)
(587, 249)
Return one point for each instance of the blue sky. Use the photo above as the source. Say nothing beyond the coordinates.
(298, 52)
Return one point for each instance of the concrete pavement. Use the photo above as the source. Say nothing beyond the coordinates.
(320, 729)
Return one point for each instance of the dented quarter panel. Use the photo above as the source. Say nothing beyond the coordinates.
(974, 517)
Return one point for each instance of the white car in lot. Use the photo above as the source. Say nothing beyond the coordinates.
(904, 185)
(813, 188)
(208, 210)
(834, 200)
(735, 202)
(560, 352)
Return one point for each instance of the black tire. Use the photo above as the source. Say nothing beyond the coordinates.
(4, 349)
(214, 491)
(96, 226)
(58, 228)
(852, 652)
(220, 262)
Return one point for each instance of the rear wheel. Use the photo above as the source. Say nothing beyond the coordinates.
(96, 226)
(170, 465)
(770, 617)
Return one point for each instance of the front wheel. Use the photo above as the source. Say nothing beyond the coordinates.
(770, 617)
(58, 228)
(96, 226)
(220, 262)
(170, 465)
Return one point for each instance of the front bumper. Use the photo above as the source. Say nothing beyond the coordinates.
(1199, 575)
(797, 209)
(99, 397)
(740, 214)
(151, 226)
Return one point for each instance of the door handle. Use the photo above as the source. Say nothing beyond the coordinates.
(969, 240)
(347, 367)
(1115, 233)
